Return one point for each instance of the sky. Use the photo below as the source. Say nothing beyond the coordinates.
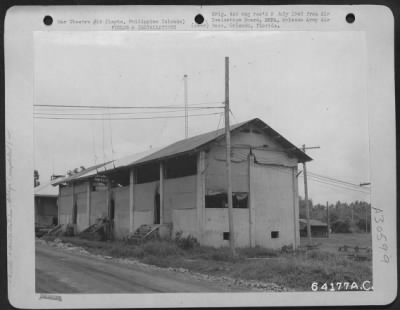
(308, 86)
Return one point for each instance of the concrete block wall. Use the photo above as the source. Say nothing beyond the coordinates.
(98, 206)
(65, 206)
(272, 196)
(216, 171)
(121, 216)
(144, 196)
(216, 223)
(82, 220)
(179, 193)
(185, 221)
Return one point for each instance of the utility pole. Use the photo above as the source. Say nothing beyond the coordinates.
(185, 77)
(304, 148)
(228, 160)
(327, 219)
(352, 214)
(366, 207)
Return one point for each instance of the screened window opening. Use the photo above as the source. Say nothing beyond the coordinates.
(220, 200)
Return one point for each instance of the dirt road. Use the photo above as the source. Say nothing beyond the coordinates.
(62, 271)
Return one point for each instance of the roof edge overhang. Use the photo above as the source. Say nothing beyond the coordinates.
(297, 152)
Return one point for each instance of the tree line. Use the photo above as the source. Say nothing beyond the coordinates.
(343, 217)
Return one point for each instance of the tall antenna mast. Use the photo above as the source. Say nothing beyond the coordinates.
(186, 106)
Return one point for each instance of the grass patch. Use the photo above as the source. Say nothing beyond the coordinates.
(295, 270)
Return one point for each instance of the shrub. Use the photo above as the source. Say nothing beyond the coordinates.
(341, 227)
(186, 243)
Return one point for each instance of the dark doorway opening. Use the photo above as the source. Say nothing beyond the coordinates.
(157, 209)
(112, 209)
(75, 214)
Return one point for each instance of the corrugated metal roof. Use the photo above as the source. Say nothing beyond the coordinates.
(181, 147)
(93, 170)
(186, 145)
(46, 190)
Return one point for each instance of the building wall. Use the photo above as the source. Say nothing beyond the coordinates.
(142, 217)
(82, 220)
(272, 197)
(216, 170)
(274, 188)
(185, 222)
(45, 210)
(216, 223)
(98, 206)
(145, 195)
(179, 193)
(65, 205)
(241, 143)
(121, 215)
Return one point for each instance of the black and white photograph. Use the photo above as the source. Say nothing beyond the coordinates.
(202, 161)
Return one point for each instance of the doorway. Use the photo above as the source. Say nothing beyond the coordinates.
(112, 210)
(75, 213)
(157, 208)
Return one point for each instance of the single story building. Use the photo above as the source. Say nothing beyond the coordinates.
(46, 211)
(183, 188)
(318, 228)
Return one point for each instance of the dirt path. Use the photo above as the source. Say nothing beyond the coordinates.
(63, 271)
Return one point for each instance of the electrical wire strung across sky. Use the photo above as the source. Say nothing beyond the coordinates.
(104, 112)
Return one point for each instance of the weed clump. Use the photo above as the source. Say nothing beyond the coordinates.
(161, 248)
(186, 243)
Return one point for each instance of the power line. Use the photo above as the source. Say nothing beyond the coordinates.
(126, 118)
(337, 183)
(210, 102)
(120, 107)
(110, 113)
(233, 116)
(219, 122)
(333, 179)
(319, 181)
(338, 186)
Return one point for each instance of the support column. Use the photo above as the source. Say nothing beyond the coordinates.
(109, 195)
(88, 201)
(296, 209)
(131, 199)
(73, 205)
(200, 193)
(252, 210)
(161, 193)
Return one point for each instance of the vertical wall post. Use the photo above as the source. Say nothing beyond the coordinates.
(185, 78)
(295, 209)
(131, 199)
(327, 220)
(200, 190)
(252, 211)
(161, 193)
(73, 204)
(109, 195)
(88, 201)
(306, 199)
